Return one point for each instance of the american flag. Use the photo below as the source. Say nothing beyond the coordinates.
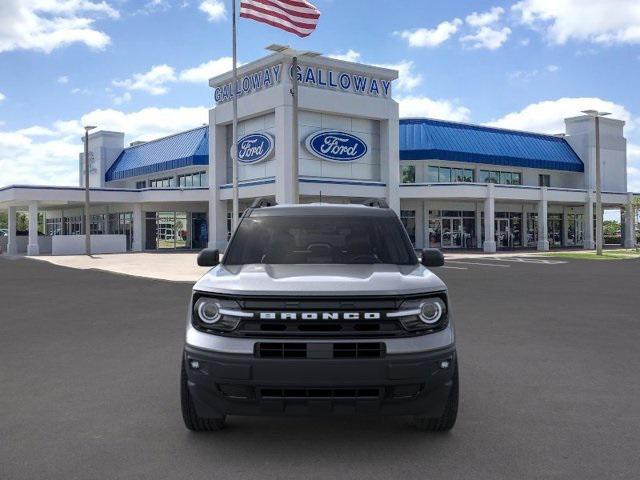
(294, 16)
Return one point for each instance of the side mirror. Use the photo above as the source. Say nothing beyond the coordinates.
(209, 257)
(432, 257)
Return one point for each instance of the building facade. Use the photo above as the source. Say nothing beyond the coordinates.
(455, 186)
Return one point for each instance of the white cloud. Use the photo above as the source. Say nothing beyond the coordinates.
(214, 9)
(526, 75)
(595, 21)
(154, 81)
(2, 96)
(407, 78)
(525, 42)
(48, 155)
(424, 37)
(486, 18)
(157, 80)
(45, 25)
(487, 37)
(548, 116)
(420, 106)
(349, 56)
(203, 72)
(63, 79)
(120, 99)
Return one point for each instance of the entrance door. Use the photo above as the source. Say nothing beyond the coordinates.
(451, 233)
(504, 236)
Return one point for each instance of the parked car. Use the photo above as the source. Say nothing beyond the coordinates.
(319, 310)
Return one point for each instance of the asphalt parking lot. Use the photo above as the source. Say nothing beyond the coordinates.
(550, 382)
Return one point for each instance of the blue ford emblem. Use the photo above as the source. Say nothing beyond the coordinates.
(336, 146)
(255, 147)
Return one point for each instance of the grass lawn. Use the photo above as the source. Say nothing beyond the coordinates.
(591, 255)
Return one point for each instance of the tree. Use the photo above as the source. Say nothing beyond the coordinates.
(3, 220)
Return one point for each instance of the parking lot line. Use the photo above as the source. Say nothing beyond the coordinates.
(478, 263)
(541, 261)
(456, 268)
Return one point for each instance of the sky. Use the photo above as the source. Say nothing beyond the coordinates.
(141, 66)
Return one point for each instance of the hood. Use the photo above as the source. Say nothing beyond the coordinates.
(320, 280)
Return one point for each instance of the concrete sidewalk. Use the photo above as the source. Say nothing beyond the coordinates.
(182, 267)
(175, 267)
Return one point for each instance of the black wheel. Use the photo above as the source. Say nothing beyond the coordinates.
(448, 418)
(192, 420)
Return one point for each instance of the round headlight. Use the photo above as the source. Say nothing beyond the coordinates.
(431, 311)
(208, 311)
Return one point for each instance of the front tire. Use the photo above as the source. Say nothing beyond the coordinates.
(447, 420)
(192, 420)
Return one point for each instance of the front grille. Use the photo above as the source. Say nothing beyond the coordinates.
(319, 350)
(301, 328)
(281, 350)
(358, 350)
(313, 393)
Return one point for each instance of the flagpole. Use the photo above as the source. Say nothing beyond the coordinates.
(234, 148)
(295, 194)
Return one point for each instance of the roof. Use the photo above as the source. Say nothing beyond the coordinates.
(183, 149)
(319, 209)
(425, 139)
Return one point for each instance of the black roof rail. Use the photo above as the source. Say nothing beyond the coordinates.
(376, 202)
(262, 202)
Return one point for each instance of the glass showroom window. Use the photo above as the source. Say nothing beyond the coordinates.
(504, 178)
(97, 224)
(190, 180)
(544, 180)
(53, 226)
(408, 218)
(141, 184)
(447, 174)
(408, 174)
(122, 224)
(162, 182)
(73, 226)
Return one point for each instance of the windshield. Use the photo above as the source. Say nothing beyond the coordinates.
(320, 239)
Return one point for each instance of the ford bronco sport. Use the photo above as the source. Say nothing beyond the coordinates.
(319, 309)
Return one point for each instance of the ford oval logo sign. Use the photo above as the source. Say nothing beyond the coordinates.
(336, 146)
(255, 147)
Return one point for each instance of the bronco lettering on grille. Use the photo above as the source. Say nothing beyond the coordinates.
(319, 316)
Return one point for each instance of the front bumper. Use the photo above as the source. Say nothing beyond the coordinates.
(404, 384)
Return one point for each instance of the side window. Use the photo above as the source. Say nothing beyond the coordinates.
(408, 174)
(432, 174)
(544, 180)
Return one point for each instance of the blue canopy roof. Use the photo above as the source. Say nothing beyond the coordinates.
(427, 139)
(183, 149)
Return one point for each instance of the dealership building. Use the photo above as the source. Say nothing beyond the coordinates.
(454, 185)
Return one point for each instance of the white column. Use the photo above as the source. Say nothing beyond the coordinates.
(217, 176)
(565, 227)
(425, 218)
(284, 155)
(138, 220)
(629, 224)
(12, 246)
(478, 225)
(390, 159)
(489, 245)
(543, 240)
(32, 246)
(589, 242)
(419, 224)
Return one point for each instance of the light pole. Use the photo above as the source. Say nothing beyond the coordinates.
(295, 146)
(596, 114)
(87, 217)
